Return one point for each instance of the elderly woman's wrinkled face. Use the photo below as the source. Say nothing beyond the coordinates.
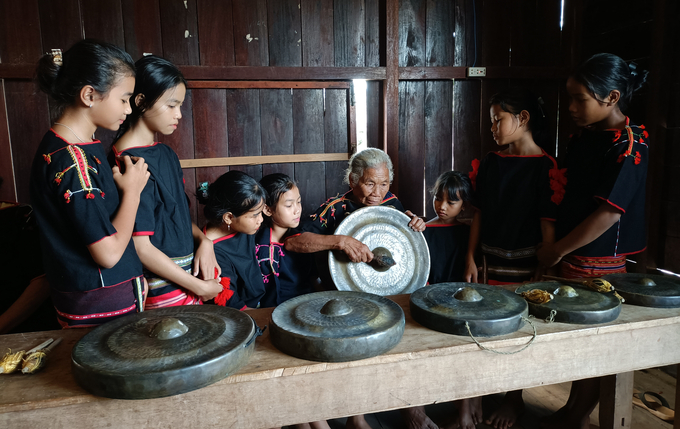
(372, 186)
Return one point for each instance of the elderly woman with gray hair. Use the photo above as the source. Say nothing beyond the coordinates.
(369, 176)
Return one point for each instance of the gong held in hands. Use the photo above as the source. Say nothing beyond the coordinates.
(163, 352)
(401, 258)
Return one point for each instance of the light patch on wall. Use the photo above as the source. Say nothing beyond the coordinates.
(360, 110)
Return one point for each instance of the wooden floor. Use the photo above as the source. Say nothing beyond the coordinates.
(543, 401)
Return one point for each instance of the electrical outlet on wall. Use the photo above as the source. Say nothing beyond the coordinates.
(476, 71)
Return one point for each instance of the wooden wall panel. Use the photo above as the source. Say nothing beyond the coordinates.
(494, 28)
(335, 141)
(142, 25)
(317, 33)
(375, 116)
(216, 33)
(349, 33)
(19, 32)
(285, 33)
(7, 174)
(466, 43)
(411, 153)
(412, 15)
(276, 109)
(103, 20)
(70, 28)
(243, 125)
(375, 32)
(210, 133)
(251, 35)
(182, 142)
(466, 124)
(308, 131)
(438, 138)
(439, 41)
(179, 31)
(28, 120)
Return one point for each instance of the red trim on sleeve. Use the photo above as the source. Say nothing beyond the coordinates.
(290, 236)
(226, 237)
(244, 307)
(549, 219)
(142, 233)
(103, 238)
(610, 203)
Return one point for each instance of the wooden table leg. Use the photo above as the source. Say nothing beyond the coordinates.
(616, 401)
(676, 424)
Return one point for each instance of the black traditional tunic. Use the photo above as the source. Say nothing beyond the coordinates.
(285, 274)
(74, 197)
(235, 254)
(327, 217)
(448, 247)
(514, 193)
(607, 167)
(164, 216)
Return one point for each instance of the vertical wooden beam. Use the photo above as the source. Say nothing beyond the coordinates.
(616, 407)
(391, 85)
(7, 185)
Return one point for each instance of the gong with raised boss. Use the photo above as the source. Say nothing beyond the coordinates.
(572, 303)
(402, 259)
(163, 352)
(337, 326)
(468, 309)
(646, 289)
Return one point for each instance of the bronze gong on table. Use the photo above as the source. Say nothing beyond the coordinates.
(647, 290)
(337, 326)
(487, 310)
(386, 232)
(163, 352)
(573, 303)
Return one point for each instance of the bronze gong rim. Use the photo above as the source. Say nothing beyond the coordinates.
(138, 357)
(586, 308)
(385, 231)
(487, 310)
(337, 326)
(661, 292)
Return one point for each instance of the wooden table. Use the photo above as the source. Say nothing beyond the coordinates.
(426, 367)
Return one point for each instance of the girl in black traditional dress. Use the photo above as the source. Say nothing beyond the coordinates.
(602, 217)
(233, 209)
(517, 192)
(164, 235)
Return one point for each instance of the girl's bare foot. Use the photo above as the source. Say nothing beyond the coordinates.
(509, 411)
(415, 418)
(469, 413)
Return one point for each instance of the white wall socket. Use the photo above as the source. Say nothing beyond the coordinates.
(476, 71)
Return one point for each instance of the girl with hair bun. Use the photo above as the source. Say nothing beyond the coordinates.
(602, 217)
(164, 235)
(517, 190)
(85, 223)
(233, 210)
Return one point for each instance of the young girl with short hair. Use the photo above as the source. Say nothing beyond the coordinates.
(517, 192)
(164, 235)
(447, 238)
(85, 209)
(602, 217)
(286, 274)
(233, 210)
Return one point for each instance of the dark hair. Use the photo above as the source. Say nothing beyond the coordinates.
(155, 75)
(454, 183)
(603, 73)
(276, 185)
(88, 62)
(517, 99)
(234, 192)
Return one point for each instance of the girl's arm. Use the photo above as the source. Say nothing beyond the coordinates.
(37, 291)
(205, 262)
(158, 262)
(108, 251)
(471, 274)
(586, 232)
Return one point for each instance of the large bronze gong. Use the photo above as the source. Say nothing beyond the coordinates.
(647, 290)
(163, 352)
(572, 303)
(337, 326)
(487, 310)
(386, 232)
